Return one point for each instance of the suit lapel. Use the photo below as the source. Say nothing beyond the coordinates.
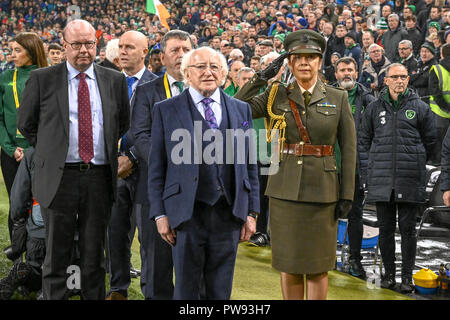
(62, 95)
(159, 89)
(295, 94)
(183, 113)
(146, 77)
(230, 106)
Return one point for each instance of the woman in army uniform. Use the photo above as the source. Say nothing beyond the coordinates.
(306, 195)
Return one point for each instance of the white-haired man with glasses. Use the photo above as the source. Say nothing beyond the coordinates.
(202, 208)
(398, 133)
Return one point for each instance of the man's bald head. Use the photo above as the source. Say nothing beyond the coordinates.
(77, 26)
(133, 47)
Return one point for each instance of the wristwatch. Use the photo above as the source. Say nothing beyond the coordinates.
(254, 215)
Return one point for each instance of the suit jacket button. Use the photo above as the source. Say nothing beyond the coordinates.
(219, 188)
(195, 179)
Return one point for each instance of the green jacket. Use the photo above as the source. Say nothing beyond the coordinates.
(9, 139)
(231, 90)
(328, 119)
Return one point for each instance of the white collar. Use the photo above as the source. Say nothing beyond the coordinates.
(138, 75)
(197, 97)
(171, 79)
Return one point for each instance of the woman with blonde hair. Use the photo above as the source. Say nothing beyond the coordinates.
(28, 54)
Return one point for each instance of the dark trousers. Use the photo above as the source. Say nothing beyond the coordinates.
(120, 235)
(156, 258)
(355, 222)
(82, 203)
(206, 247)
(263, 217)
(407, 214)
(9, 169)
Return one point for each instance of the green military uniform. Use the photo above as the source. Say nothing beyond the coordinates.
(304, 192)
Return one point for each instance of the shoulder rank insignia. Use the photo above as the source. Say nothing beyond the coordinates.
(326, 104)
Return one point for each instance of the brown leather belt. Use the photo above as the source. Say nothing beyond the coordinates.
(305, 148)
(299, 149)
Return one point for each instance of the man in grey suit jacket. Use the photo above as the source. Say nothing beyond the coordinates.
(74, 114)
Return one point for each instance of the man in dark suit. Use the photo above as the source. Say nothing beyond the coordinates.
(133, 47)
(156, 254)
(74, 114)
(203, 208)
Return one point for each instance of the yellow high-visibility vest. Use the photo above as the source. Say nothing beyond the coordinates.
(444, 85)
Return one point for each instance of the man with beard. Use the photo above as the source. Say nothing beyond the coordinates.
(278, 43)
(419, 80)
(359, 98)
(398, 133)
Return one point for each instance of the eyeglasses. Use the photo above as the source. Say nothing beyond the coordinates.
(403, 49)
(78, 45)
(396, 77)
(202, 67)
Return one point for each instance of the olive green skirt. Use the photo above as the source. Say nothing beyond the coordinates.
(303, 236)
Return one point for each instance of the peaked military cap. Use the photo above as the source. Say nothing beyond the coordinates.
(305, 41)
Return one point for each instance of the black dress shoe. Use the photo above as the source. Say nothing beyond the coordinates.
(356, 269)
(388, 281)
(406, 286)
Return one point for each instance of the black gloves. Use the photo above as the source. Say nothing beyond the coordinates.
(343, 207)
(272, 69)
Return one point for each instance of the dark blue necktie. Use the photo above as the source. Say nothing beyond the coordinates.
(130, 82)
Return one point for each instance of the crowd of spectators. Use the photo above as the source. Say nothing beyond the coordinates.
(253, 27)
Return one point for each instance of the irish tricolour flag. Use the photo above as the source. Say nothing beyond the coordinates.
(156, 7)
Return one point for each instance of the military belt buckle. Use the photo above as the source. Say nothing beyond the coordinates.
(299, 149)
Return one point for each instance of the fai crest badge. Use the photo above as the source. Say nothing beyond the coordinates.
(410, 114)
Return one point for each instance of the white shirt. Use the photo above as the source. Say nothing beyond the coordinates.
(100, 155)
(173, 88)
(215, 106)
